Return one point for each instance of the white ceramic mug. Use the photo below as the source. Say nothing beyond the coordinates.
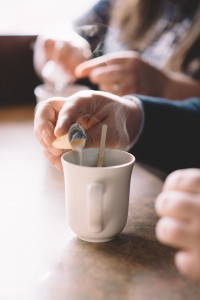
(44, 91)
(97, 198)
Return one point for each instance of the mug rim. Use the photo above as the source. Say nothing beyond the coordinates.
(132, 158)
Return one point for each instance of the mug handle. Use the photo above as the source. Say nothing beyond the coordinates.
(95, 207)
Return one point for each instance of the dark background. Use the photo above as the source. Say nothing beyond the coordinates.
(17, 76)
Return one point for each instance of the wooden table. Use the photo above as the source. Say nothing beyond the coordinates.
(41, 259)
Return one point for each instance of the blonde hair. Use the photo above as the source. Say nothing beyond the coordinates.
(137, 20)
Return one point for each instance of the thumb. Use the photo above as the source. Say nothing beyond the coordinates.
(93, 136)
(83, 70)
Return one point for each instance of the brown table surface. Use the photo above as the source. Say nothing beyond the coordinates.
(40, 258)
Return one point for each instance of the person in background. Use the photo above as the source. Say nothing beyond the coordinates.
(156, 53)
(161, 133)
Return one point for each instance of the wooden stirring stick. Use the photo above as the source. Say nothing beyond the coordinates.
(100, 159)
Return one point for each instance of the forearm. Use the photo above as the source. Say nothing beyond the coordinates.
(180, 86)
(170, 136)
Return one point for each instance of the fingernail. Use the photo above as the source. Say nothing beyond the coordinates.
(78, 72)
(58, 125)
(46, 137)
(162, 229)
(160, 203)
(58, 166)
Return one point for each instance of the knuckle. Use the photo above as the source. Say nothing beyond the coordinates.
(184, 179)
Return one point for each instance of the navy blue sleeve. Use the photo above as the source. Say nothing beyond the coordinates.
(170, 139)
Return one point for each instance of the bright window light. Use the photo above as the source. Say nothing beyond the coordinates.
(32, 16)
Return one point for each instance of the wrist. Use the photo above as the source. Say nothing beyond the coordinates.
(135, 120)
(170, 85)
(180, 86)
